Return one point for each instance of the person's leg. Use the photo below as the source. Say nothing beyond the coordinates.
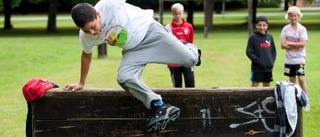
(291, 72)
(177, 77)
(303, 83)
(158, 46)
(292, 79)
(129, 79)
(266, 84)
(268, 77)
(29, 121)
(165, 48)
(255, 79)
(301, 78)
(188, 75)
(254, 84)
(171, 76)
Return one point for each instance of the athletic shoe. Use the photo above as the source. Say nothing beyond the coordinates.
(199, 58)
(193, 47)
(161, 117)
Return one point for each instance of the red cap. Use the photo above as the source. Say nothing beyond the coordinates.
(35, 89)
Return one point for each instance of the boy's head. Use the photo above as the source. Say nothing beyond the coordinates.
(177, 11)
(293, 13)
(262, 24)
(262, 18)
(86, 18)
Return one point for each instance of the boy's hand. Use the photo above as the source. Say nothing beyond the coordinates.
(73, 87)
(109, 39)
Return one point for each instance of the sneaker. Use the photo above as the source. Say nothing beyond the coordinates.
(199, 58)
(197, 50)
(161, 117)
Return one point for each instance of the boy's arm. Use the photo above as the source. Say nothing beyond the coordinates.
(192, 33)
(251, 52)
(274, 50)
(284, 44)
(292, 45)
(299, 44)
(85, 66)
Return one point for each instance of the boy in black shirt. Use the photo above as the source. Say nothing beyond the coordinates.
(262, 53)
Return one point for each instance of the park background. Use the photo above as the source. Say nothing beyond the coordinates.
(29, 51)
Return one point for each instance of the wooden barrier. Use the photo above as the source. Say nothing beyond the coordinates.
(220, 112)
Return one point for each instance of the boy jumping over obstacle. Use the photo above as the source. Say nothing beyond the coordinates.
(142, 39)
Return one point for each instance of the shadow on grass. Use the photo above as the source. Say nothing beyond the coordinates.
(312, 26)
(41, 32)
(37, 32)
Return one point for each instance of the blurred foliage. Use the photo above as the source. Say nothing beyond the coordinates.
(269, 3)
(146, 4)
(14, 3)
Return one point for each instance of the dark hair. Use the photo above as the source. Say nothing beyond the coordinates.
(262, 18)
(83, 13)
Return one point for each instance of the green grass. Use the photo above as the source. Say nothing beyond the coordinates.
(32, 53)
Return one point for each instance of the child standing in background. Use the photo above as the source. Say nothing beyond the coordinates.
(184, 32)
(261, 51)
(293, 39)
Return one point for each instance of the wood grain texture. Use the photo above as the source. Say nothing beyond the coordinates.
(220, 112)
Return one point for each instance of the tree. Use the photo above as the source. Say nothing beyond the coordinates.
(287, 2)
(7, 7)
(208, 16)
(252, 15)
(294, 2)
(190, 10)
(52, 14)
(7, 14)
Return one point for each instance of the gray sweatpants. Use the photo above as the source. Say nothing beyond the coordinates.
(158, 46)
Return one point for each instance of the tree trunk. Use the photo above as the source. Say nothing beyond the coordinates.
(250, 16)
(102, 50)
(7, 14)
(294, 2)
(254, 11)
(190, 12)
(52, 13)
(208, 16)
(286, 5)
(161, 11)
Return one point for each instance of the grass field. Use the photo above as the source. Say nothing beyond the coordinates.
(29, 52)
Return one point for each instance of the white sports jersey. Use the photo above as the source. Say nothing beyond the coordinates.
(295, 56)
(128, 25)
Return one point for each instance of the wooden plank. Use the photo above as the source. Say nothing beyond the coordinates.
(114, 112)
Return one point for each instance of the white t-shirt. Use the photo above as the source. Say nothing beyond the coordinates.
(295, 56)
(128, 25)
